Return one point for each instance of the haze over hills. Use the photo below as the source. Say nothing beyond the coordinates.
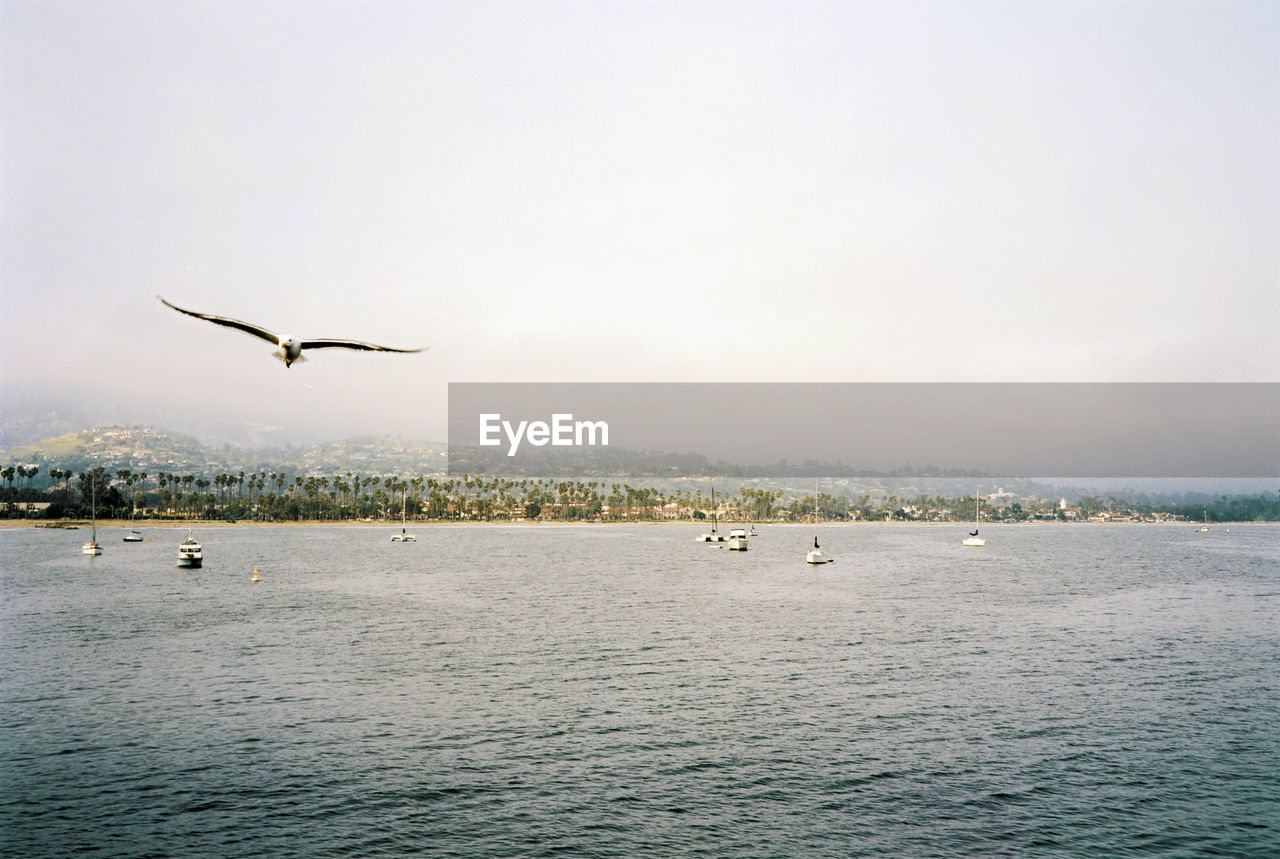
(29, 414)
(148, 449)
(152, 450)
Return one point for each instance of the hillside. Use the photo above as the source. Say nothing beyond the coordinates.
(156, 450)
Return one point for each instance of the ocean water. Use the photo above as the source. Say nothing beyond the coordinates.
(624, 691)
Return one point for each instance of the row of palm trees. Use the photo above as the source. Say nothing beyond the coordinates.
(281, 495)
(19, 472)
(277, 495)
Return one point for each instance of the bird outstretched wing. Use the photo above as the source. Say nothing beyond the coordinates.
(248, 327)
(329, 343)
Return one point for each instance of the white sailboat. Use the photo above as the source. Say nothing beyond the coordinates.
(973, 539)
(1205, 526)
(712, 536)
(404, 536)
(134, 535)
(92, 547)
(816, 555)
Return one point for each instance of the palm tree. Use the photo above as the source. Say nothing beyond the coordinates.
(201, 500)
(417, 484)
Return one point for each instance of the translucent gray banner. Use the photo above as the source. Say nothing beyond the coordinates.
(777, 429)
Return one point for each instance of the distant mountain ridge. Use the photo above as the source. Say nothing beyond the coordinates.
(31, 427)
(153, 450)
(29, 415)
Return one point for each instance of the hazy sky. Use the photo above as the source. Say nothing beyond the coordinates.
(655, 191)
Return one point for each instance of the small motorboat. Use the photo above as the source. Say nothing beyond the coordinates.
(190, 553)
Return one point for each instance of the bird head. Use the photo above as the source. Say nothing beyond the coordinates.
(290, 351)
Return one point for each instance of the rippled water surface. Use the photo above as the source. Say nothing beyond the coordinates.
(622, 691)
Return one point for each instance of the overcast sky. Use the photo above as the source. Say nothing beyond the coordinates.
(656, 191)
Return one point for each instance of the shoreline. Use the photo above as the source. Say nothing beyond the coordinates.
(203, 524)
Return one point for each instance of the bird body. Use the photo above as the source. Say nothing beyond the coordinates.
(288, 349)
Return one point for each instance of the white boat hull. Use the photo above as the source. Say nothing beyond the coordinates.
(190, 553)
(737, 544)
(817, 556)
(92, 549)
(973, 539)
(710, 538)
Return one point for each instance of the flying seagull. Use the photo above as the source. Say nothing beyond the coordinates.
(290, 348)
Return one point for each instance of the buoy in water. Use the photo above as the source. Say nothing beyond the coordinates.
(255, 574)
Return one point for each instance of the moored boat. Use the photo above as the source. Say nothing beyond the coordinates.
(404, 536)
(973, 539)
(712, 536)
(816, 555)
(92, 547)
(190, 552)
